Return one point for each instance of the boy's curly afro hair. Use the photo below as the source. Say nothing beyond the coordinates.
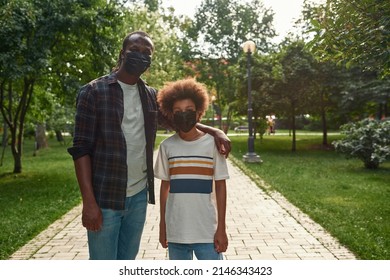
(183, 89)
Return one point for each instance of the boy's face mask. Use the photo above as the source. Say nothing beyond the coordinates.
(136, 63)
(184, 121)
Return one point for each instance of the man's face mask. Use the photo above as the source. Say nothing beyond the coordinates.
(136, 63)
(184, 121)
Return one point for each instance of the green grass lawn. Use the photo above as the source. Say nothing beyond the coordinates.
(350, 202)
(42, 193)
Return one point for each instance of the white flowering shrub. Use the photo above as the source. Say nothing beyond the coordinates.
(367, 140)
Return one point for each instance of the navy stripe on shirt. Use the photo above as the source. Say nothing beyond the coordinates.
(191, 186)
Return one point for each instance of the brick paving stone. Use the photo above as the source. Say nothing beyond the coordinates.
(260, 226)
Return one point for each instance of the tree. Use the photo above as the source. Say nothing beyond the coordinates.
(294, 74)
(215, 38)
(355, 32)
(364, 95)
(221, 26)
(325, 95)
(41, 43)
(151, 5)
(262, 83)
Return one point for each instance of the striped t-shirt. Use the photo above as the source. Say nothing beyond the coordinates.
(191, 167)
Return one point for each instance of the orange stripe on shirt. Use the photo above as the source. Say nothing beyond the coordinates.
(191, 170)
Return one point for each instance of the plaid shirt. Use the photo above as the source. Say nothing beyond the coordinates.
(98, 134)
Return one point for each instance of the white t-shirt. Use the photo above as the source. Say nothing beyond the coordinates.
(190, 166)
(134, 131)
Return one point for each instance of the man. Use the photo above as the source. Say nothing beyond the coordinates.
(115, 130)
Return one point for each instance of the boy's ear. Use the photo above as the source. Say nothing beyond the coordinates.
(198, 116)
(170, 116)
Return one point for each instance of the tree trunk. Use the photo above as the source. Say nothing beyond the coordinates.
(228, 120)
(16, 151)
(294, 138)
(59, 136)
(15, 116)
(17, 163)
(40, 138)
(324, 123)
(4, 142)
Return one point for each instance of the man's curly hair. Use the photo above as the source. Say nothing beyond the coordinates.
(183, 89)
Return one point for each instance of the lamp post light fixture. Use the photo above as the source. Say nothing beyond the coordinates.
(249, 47)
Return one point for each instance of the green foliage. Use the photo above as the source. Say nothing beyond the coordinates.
(363, 94)
(215, 41)
(354, 32)
(221, 26)
(294, 77)
(45, 55)
(261, 127)
(367, 140)
(262, 84)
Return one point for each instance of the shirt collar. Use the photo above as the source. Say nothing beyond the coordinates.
(112, 78)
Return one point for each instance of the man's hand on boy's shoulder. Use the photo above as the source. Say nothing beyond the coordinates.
(223, 143)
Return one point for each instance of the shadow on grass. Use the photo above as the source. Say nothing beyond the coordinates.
(5, 175)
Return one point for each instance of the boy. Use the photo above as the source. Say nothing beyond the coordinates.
(192, 214)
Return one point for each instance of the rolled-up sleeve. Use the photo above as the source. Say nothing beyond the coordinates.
(85, 124)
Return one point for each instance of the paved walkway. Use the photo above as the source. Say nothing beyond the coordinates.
(259, 226)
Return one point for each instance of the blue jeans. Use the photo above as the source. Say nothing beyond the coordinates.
(120, 236)
(203, 251)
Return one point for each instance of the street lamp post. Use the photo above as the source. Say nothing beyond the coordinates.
(249, 47)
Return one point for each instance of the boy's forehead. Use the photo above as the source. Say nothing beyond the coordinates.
(183, 103)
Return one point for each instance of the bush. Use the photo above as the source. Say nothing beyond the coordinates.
(367, 140)
(261, 127)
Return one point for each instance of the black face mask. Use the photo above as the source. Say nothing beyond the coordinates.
(184, 121)
(136, 63)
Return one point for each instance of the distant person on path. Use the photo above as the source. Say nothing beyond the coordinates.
(193, 174)
(271, 125)
(115, 129)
